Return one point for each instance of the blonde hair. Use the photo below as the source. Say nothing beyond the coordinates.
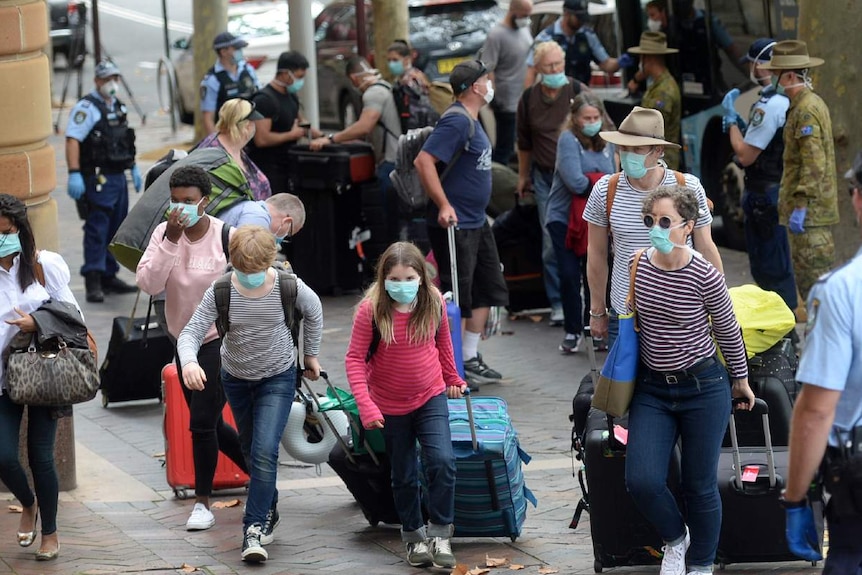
(231, 118)
(252, 249)
(543, 49)
(426, 315)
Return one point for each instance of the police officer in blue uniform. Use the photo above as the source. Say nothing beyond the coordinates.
(827, 418)
(100, 147)
(759, 151)
(230, 77)
(580, 44)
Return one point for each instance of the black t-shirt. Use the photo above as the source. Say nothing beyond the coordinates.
(282, 109)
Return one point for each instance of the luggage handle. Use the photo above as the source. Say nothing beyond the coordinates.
(591, 353)
(453, 262)
(341, 442)
(353, 425)
(760, 407)
(489, 466)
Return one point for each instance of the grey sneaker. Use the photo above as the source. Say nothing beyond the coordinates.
(441, 552)
(478, 370)
(252, 550)
(418, 554)
(272, 521)
(571, 343)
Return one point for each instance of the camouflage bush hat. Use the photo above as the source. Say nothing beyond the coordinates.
(654, 43)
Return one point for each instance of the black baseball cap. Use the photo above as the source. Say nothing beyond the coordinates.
(465, 75)
(253, 114)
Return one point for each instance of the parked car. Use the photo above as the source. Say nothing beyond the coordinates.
(262, 23)
(68, 30)
(443, 33)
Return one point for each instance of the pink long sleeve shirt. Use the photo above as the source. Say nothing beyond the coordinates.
(401, 377)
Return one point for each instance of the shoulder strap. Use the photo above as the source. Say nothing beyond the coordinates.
(680, 177)
(470, 133)
(630, 299)
(612, 191)
(225, 240)
(375, 340)
(221, 291)
(287, 289)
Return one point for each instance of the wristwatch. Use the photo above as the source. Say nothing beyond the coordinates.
(791, 504)
(331, 138)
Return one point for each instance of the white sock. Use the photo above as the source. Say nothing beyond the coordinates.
(470, 348)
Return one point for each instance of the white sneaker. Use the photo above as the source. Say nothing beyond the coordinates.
(673, 562)
(699, 573)
(200, 519)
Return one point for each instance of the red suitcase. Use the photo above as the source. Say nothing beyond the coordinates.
(179, 463)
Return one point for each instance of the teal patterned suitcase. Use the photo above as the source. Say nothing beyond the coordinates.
(490, 493)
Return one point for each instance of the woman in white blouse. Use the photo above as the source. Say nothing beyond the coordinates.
(20, 294)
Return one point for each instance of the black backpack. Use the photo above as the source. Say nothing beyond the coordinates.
(414, 108)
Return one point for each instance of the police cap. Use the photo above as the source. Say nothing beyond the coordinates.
(106, 69)
(228, 40)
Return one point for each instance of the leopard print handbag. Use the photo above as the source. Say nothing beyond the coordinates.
(51, 374)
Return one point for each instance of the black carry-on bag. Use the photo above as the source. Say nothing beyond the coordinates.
(750, 482)
(137, 352)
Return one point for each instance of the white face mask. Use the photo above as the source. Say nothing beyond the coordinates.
(653, 25)
(489, 95)
(523, 22)
(109, 89)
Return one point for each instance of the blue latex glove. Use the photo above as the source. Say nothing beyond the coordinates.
(728, 101)
(797, 221)
(626, 60)
(137, 180)
(76, 186)
(801, 535)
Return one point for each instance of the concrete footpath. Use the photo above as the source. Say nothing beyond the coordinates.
(123, 517)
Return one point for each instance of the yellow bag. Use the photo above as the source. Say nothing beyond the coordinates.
(441, 95)
(763, 316)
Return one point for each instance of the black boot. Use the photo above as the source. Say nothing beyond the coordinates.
(93, 285)
(113, 284)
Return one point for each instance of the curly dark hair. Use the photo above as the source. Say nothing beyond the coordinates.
(15, 210)
(191, 177)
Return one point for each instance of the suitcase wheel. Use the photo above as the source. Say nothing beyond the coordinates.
(181, 493)
(597, 566)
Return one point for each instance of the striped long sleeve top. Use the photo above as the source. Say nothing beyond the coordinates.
(679, 311)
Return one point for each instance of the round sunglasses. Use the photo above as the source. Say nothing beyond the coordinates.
(664, 222)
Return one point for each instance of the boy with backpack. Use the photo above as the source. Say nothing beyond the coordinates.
(258, 366)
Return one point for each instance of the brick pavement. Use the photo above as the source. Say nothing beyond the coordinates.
(123, 518)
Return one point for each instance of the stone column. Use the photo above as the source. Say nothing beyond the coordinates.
(27, 161)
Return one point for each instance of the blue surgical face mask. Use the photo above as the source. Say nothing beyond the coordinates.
(555, 81)
(634, 165)
(402, 292)
(237, 57)
(396, 67)
(591, 129)
(9, 244)
(250, 281)
(189, 210)
(660, 238)
(297, 85)
(279, 239)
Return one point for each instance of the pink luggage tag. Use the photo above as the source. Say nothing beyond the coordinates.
(621, 434)
(750, 473)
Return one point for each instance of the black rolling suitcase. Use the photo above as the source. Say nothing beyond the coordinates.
(137, 352)
(369, 482)
(750, 481)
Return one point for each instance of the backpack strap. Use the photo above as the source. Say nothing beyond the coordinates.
(287, 289)
(680, 177)
(225, 240)
(375, 340)
(221, 291)
(612, 191)
(453, 109)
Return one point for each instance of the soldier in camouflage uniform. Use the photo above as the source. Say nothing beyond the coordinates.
(662, 90)
(807, 199)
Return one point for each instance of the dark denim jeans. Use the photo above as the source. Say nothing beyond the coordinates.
(573, 275)
(845, 547)
(697, 410)
(504, 147)
(41, 432)
(261, 409)
(430, 425)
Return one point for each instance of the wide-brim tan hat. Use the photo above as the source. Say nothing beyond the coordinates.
(642, 127)
(653, 43)
(791, 55)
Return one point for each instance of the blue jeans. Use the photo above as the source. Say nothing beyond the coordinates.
(768, 245)
(695, 410)
(108, 209)
(261, 409)
(430, 425)
(41, 432)
(573, 275)
(542, 190)
(505, 144)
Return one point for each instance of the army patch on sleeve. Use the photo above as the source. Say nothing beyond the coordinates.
(659, 104)
(806, 130)
(757, 116)
(203, 91)
(813, 306)
(79, 117)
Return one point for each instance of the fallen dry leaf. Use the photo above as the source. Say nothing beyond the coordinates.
(186, 568)
(495, 561)
(162, 454)
(460, 569)
(225, 504)
(536, 318)
(16, 509)
(516, 567)
(478, 571)
(548, 570)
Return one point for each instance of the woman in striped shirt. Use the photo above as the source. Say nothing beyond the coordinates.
(401, 388)
(682, 389)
